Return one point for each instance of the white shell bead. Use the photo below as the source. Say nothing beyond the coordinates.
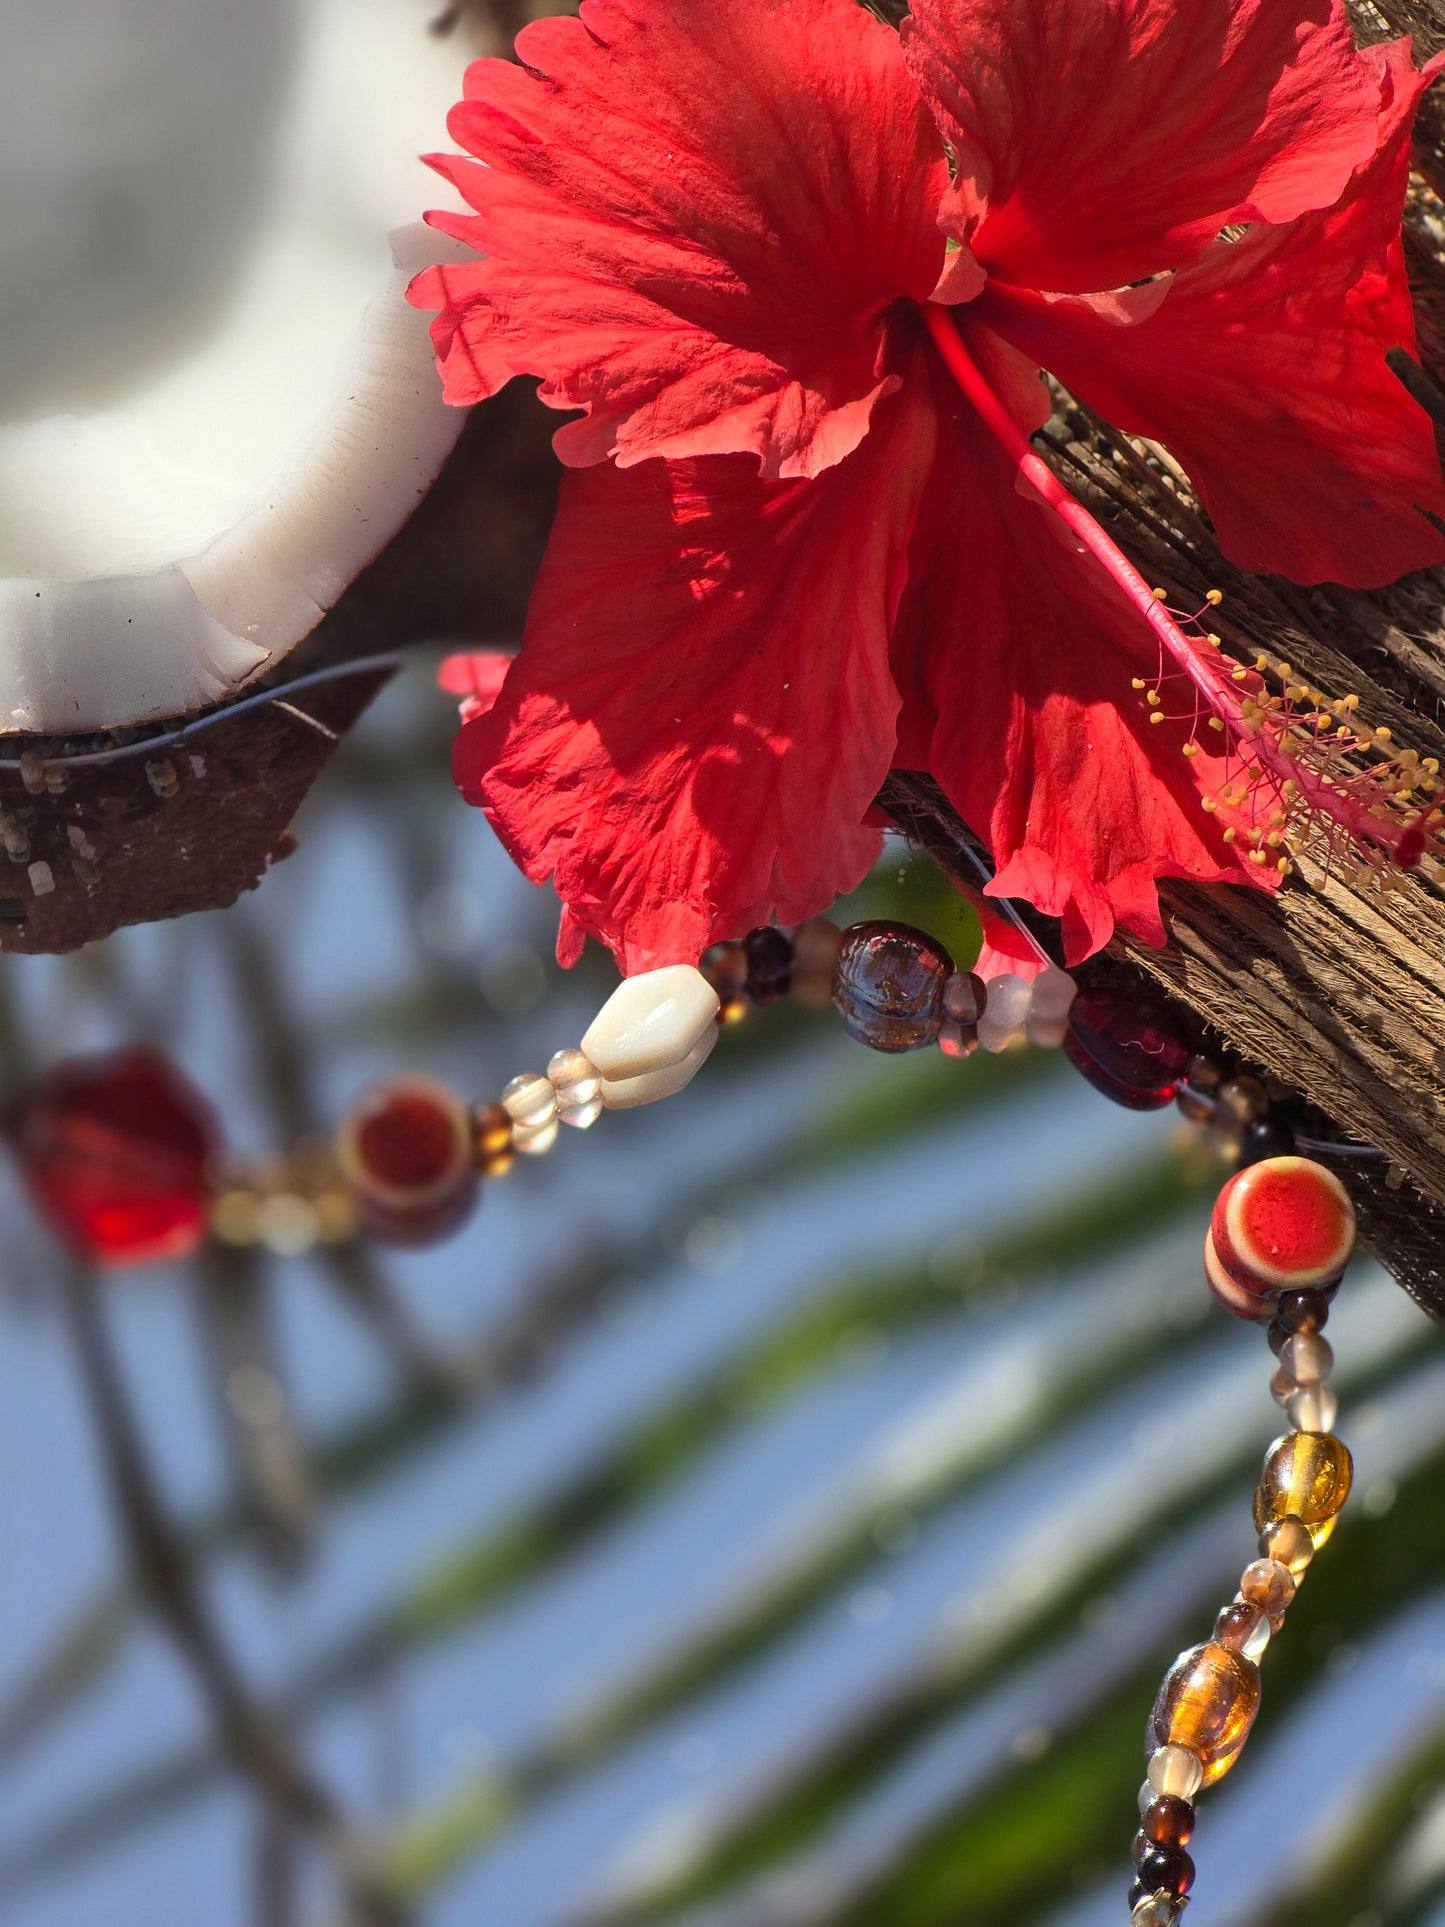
(529, 1100)
(651, 1022)
(625, 1093)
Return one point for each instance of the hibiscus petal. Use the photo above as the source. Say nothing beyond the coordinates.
(1101, 141)
(693, 219)
(1024, 654)
(1264, 374)
(701, 712)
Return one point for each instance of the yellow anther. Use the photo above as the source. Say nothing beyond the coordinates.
(1215, 722)
(1256, 856)
(1432, 764)
(1229, 834)
(1210, 804)
(1284, 866)
(1161, 595)
(1137, 683)
(1191, 749)
(1214, 598)
(1238, 675)
(1153, 695)
(1156, 716)
(1261, 663)
(1214, 642)
(1383, 735)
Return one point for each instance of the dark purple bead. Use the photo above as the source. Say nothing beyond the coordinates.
(1265, 1138)
(770, 963)
(1130, 1048)
(1166, 1870)
(888, 985)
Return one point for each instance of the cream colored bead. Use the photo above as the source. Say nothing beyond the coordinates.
(1307, 1358)
(533, 1139)
(650, 1023)
(1054, 992)
(624, 1093)
(1313, 1408)
(574, 1077)
(1047, 1033)
(1005, 1013)
(529, 1100)
(1177, 1771)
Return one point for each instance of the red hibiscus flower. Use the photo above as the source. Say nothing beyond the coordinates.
(799, 275)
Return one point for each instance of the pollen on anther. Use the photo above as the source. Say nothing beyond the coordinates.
(1156, 716)
(1138, 683)
(1191, 749)
(1214, 597)
(1161, 595)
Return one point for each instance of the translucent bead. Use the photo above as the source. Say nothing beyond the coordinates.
(1130, 1048)
(1313, 1408)
(1307, 1477)
(1304, 1311)
(534, 1139)
(1244, 1099)
(530, 1101)
(1308, 1358)
(405, 1146)
(574, 1077)
(1005, 1011)
(1166, 1870)
(1046, 1033)
(580, 1117)
(1168, 1822)
(1156, 1910)
(1289, 1542)
(957, 1040)
(1283, 1225)
(725, 966)
(1267, 1584)
(1206, 1705)
(114, 1151)
(888, 987)
(1147, 1797)
(1282, 1388)
(1238, 1627)
(770, 963)
(1054, 991)
(815, 958)
(964, 997)
(651, 1022)
(492, 1151)
(1196, 1106)
(1176, 1771)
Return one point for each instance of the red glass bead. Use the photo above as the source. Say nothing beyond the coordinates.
(406, 1147)
(889, 983)
(114, 1151)
(1130, 1048)
(1283, 1225)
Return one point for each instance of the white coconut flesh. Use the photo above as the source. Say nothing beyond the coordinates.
(215, 404)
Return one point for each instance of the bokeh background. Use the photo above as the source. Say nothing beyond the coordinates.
(776, 1507)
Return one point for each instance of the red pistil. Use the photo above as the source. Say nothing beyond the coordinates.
(1326, 795)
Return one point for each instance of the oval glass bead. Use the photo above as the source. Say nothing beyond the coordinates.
(1206, 1704)
(1130, 1048)
(1307, 1476)
(888, 986)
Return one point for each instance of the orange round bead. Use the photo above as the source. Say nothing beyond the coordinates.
(1307, 1476)
(1207, 1703)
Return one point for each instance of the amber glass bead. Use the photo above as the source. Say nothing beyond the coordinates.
(1166, 1870)
(1206, 1704)
(889, 983)
(1238, 1626)
(1307, 1477)
(769, 953)
(1168, 1822)
(492, 1150)
(1130, 1048)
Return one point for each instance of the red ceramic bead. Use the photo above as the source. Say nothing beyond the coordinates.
(1283, 1225)
(114, 1151)
(1234, 1296)
(1130, 1048)
(405, 1146)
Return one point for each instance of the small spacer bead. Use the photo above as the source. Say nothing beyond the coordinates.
(581, 1117)
(1288, 1541)
(1308, 1359)
(965, 997)
(1168, 1822)
(530, 1101)
(1313, 1408)
(1239, 1627)
(816, 944)
(492, 1148)
(574, 1077)
(1176, 1771)
(1282, 1387)
(1302, 1311)
(532, 1140)
(1244, 1099)
(1268, 1584)
(770, 963)
(1166, 1870)
(725, 966)
(1006, 1012)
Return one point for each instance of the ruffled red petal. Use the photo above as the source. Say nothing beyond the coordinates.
(1100, 141)
(693, 220)
(1264, 373)
(1024, 657)
(477, 679)
(701, 712)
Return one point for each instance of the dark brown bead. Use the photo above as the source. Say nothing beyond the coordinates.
(1237, 1625)
(725, 965)
(888, 988)
(770, 963)
(1168, 1822)
(1265, 1138)
(1302, 1311)
(1167, 1870)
